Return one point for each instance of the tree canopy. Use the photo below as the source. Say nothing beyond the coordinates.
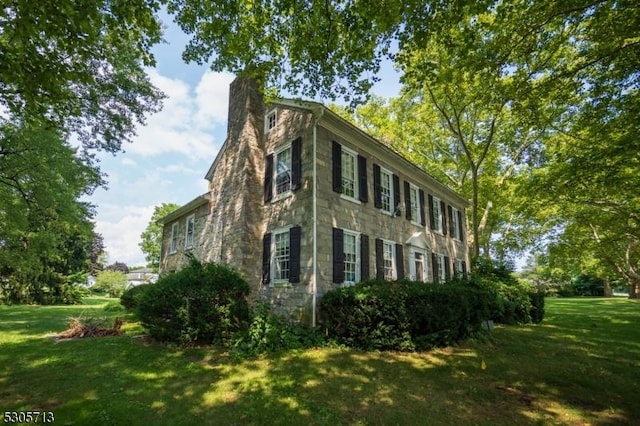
(151, 237)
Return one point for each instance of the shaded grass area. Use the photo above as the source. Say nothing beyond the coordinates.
(580, 366)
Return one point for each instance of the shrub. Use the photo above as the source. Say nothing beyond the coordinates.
(537, 305)
(130, 297)
(268, 332)
(402, 315)
(201, 303)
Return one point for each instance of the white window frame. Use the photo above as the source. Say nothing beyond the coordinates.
(276, 155)
(173, 242)
(425, 264)
(442, 270)
(457, 234)
(414, 199)
(389, 207)
(356, 263)
(459, 266)
(353, 156)
(389, 247)
(188, 237)
(267, 120)
(436, 207)
(275, 277)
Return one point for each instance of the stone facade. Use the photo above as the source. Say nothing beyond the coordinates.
(238, 220)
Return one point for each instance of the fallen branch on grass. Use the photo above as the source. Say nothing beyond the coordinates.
(90, 328)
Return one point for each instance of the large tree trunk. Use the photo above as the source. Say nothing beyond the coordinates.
(634, 289)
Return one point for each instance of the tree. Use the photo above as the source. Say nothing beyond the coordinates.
(152, 235)
(77, 66)
(111, 282)
(118, 266)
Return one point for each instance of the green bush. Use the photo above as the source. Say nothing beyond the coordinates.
(402, 315)
(537, 305)
(130, 297)
(200, 303)
(268, 332)
(111, 283)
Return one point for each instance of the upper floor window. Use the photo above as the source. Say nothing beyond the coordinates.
(349, 173)
(190, 230)
(385, 190)
(283, 170)
(455, 223)
(173, 246)
(271, 120)
(437, 214)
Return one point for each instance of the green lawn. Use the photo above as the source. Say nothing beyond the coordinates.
(580, 366)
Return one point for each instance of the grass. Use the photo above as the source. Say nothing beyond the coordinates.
(580, 366)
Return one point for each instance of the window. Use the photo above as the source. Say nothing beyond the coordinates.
(441, 271)
(418, 265)
(281, 256)
(455, 222)
(281, 252)
(349, 174)
(174, 238)
(414, 200)
(437, 218)
(271, 120)
(460, 266)
(191, 225)
(385, 190)
(283, 170)
(389, 260)
(350, 257)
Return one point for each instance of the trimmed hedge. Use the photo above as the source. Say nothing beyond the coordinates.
(200, 303)
(402, 315)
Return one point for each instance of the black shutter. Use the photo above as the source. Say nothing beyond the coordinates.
(377, 190)
(294, 254)
(364, 257)
(338, 255)
(337, 167)
(268, 178)
(434, 262)
(447, 268)
(296, 164)
(423, 219)
(399, 261)
(432, 219)
(379, 260)
(362, 179)
(460, 225)
(407, 200)
(443, 215)
(451, 219)
(266, 258)
(396, 194)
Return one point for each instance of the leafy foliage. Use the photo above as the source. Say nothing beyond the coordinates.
(402, 315)
(117, 266)
(152, 235)
(200, 303)
(112, 283)
(130, 297)
(268, 333)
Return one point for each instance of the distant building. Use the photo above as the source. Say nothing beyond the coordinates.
(141, 276)
(301, 201)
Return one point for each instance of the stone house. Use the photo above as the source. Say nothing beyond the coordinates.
(301, 201)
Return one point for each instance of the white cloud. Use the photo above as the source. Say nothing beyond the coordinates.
(121, 227)
(128, 161)
(185, 124)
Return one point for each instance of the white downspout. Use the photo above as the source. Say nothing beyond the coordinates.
(314, 276)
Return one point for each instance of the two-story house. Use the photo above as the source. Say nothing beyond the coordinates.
(301, 201)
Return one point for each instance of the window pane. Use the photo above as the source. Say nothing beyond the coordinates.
(388, 261)
(385, 190)
(415, 211)
(283, 171)
(350, 258)
(348, 174)
(281, 256)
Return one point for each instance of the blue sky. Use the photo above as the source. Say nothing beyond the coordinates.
(171, 154)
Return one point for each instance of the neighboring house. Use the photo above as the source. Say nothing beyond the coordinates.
(141, 276)
(301, 201)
